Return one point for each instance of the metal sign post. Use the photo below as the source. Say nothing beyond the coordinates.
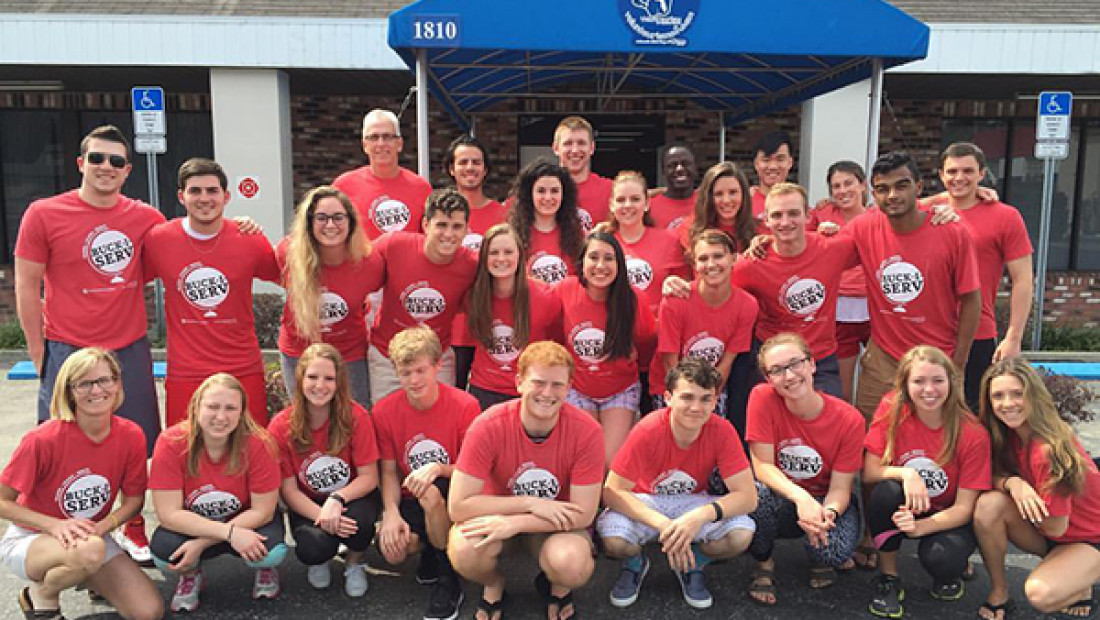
(150, 137)
(1052, 130)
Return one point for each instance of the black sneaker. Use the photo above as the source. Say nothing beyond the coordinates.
(427, 570)
(889, 594)
(446, 600)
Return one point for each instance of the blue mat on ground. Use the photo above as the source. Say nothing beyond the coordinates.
(25, 370)
(1086, 371)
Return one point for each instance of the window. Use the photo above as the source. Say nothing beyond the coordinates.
(1088, 225)
(32, 163)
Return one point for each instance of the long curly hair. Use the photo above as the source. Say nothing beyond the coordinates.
(479, 303)
(522, 214)
(341, 421)
(1067, 466)
(954, 411)
(302, 273)
(706, 214)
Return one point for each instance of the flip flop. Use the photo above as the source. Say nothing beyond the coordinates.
(492, 608)
(1085, 602)
(1007, 607)
(26, 605)
(544, 588)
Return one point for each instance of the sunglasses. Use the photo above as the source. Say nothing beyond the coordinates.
(116, 161)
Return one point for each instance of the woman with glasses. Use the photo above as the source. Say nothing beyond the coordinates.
(1045, 498)
(215, 483)
(328, 272)
(806, 447)
(544, 214)
(58, 493)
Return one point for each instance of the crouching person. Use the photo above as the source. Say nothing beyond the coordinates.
(657, 489)
(215, 483)
(529, 474)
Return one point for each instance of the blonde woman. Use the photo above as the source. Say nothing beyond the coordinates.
(328, 272)
(59, 490)
(1045, 497)
(928, 459)
(215, 483)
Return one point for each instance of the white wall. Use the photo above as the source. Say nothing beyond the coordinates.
(250, 110)
(834, 127)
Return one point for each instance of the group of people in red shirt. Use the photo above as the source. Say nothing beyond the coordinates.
(513, 349)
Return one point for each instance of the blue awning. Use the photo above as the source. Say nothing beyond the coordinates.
(743, 57)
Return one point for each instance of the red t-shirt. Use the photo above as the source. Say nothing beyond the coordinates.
(386, 205)
(498, 452)
(1000, 236)
(344, 290)
(807, 451)
(418, 291)
(213, 493)
(593, 200)
(481, 220)
(914, 281)
(917, 446)
(657, 465)
(494, 369)
(317, 472)
(208, 297)
(545, 259)
(651, 259)
(583, 325)
(759, 202)
(798, 293)
(692, 328)
(852, 282)
(93, 280)
(672, 213)
(414, 438)
(1083, 510)
(58, 471)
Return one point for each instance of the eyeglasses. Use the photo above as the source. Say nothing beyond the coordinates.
(381, 137)
(794, 366)
(325, 218)
(104, 383)
(116, 161)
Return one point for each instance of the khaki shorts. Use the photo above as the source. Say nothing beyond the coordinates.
(876, 378)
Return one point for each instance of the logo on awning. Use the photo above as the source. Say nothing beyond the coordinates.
(659, 22)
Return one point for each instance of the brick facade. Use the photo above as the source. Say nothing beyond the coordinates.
(325, 132)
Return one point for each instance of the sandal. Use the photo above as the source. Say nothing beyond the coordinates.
(492, 609)
(762, 584)
(30, 613)
(822, 577)
(543, 587)
(1087, 603)
(1006, 608)
(866, 558)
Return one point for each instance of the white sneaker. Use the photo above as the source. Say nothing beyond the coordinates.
(186, 597)
(138, 550)
(266, 584)
(355, 580)
(319, 576)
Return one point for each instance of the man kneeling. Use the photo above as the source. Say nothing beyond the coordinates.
(529, 471)
(657, 489)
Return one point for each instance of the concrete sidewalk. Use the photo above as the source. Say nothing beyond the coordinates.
(395, 594)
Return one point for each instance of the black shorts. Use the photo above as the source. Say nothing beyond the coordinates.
(413, 514)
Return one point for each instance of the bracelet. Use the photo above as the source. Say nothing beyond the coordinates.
(114, 521)
(836, 513)
(1004, 484)
(229, 536)
(718, 514)
(340, 498)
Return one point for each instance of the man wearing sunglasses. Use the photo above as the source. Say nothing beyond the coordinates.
(85, 246)
(387, 196)
(207, 265)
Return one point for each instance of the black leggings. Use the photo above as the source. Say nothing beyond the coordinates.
(464, 359)
(165, 542)
(981, 356)
(316, 546)
(943, 554)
